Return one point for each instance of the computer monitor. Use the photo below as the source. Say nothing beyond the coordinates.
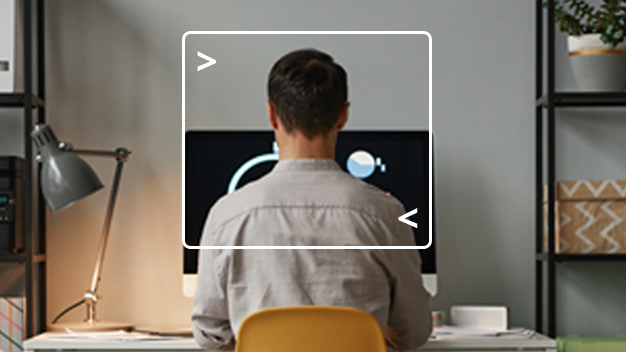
(219, 162)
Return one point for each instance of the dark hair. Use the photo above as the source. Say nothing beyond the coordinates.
(309, 90)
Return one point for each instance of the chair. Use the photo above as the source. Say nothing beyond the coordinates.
(310, 329)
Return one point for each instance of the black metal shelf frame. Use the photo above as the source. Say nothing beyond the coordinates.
(583, 257)
(545, 157)
(33, 257)
(18, 100)
(21, 258)
(580, 99)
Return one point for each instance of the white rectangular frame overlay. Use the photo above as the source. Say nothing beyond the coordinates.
(430, 137)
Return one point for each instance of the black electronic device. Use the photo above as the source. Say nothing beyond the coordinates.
(11, 204)
(217, 162)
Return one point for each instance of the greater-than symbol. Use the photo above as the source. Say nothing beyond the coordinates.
(404, 217)
(210, 61)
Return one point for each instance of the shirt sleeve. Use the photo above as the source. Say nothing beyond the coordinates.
(410, 313)
(211, 323)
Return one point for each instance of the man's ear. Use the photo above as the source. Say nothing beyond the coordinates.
(343, 117)
(271, 115)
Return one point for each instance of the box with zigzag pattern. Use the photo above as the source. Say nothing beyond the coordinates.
(590, 217)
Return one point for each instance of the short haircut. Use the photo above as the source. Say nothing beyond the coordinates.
(309, 90)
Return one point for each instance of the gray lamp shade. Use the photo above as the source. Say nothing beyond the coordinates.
(65, 178)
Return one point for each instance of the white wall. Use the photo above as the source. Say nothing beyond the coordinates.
(114, 79)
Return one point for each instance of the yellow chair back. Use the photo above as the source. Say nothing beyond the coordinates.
(310, 329)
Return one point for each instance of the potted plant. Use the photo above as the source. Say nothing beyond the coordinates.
(596, 42)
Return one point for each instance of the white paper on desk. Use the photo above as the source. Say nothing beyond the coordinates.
(110, 336)
(458, 333)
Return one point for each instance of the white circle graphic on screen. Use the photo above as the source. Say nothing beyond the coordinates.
(361, 164)
(234, 181)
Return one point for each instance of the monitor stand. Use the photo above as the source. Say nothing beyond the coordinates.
(430, 283)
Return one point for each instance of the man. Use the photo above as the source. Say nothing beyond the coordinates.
(308, 200)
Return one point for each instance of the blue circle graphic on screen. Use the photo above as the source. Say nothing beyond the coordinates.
(361, 164)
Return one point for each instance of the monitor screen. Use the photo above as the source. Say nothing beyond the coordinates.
(219, 162)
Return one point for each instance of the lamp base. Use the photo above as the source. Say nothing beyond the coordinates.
(87, 326)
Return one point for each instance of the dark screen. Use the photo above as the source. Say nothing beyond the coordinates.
(400, 167)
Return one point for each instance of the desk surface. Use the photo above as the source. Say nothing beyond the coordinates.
(47, 342)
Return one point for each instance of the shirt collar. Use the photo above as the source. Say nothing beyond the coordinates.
(306, 165)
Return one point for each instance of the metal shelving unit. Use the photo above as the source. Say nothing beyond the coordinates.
(31, 101)
(547, 101)
(576, 99)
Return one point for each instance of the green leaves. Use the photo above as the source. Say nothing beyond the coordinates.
(577, 17)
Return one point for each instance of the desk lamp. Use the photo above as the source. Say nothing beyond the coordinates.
(66, 178)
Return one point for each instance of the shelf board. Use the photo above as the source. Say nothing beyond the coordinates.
(17, 100)
(20, 258)
(582, 99)
(583, 257)
(39, 258)
(12, 257)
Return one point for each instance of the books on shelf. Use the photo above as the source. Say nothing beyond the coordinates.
(10, 47)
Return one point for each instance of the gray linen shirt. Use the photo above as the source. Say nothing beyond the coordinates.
(308, 202)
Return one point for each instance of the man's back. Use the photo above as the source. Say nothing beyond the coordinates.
(309, 202)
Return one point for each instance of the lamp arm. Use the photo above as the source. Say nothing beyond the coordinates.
(95, 152)
(121, 155)
(106, 228)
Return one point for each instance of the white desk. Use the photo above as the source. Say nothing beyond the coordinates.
(44, 343)
(538, 343)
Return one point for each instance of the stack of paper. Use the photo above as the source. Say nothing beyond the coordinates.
(111, 336)
(458, 333)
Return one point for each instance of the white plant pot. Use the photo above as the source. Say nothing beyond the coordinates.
(597, 68)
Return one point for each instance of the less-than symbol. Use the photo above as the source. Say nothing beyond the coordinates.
(404, 217)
